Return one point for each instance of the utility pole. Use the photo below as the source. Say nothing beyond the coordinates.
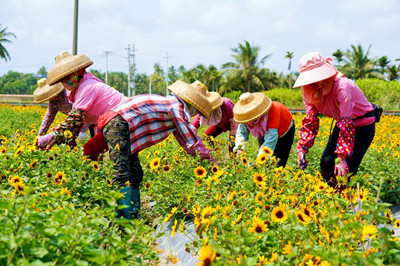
(75, 35)
(166, 74)
(107, 53)
(131, 56)
(150, 85)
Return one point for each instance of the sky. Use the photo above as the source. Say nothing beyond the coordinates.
(191, 32)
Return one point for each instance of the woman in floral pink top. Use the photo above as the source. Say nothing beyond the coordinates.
(329, 92)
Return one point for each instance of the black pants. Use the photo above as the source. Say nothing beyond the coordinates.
(283, 146)
(363, 138)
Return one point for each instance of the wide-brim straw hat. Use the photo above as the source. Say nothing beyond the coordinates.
(251, 106)
(194, 94)
(67, 64)
(215, 99)
(313, 68)
(45, 92)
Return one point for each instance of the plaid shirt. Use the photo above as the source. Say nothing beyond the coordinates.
(58, 103)
(152, 118)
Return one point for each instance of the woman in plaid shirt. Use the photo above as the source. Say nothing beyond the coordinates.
(145, 120)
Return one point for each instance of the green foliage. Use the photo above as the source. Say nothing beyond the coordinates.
(291, 98)
(384, 93)
(17, 83)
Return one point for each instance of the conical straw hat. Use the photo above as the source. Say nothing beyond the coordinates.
(215, 99)
(45, 92)
(194, 94)
(67, 64)
(251, 106)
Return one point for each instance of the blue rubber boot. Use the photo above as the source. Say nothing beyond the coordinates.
(135, 198)
(126, 201)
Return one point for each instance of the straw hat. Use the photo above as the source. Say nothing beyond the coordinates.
(313, 68)
(45, 92)
(67, 64)
(194, 94)
(215, 99)
(251, 106)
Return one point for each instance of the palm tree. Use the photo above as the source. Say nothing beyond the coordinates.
(393, 72)
(338, 54)
(247, 66)
(358, 64)
(383, 63)
(3, 39)
(290, 56)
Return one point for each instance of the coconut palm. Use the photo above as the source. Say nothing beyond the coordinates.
(358, 64)
(383, 63)
(290, 56)
(338, 54)
(246, 68)
(393, 72)
(4, 38)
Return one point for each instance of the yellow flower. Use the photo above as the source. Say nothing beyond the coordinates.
(65, 191)
(369, 230)
(155, 163)
(287, 249)
(207, 255)
(200, 172)
(397, 224)
(117, 147)
(279, 214)
(321, 186)
(259, 177)
(33, 164)
(44, 194)
(68, 134)
(274, 257)
(95, 166)
(16, 180)
(20, 187)
(262, 158)
(214, 169)
(167, 168)
(304, 219)
(244, 160)
(258, 226)
(267, 150)
(174, 209)
(173, 228)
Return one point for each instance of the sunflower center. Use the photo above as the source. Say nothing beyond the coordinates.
(279, 214)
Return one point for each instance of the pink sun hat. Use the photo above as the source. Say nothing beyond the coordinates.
(313, 68)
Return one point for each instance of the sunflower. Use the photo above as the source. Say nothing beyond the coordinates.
(20, 187)
(279, 214)
(167, 168)
(369, 230)
(258, 226)
(44, 194)
(61, 177)
(259, 177)
(200, 172)
(155, 163)
(16, 180)
(18, 152)
(65, 191)
(397, 224)
(321, 186)
(68, 134)
(308, 211)
(304, 219)
(3, 150)
(287, 249)
(95, 166)
(245, 161)
(33, 164)
(215, 169)
(207, 255)
(267, 150)
(262, 158)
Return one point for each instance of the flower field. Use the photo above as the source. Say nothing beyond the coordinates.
(56, 207)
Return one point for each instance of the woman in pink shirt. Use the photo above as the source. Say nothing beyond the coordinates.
(89, 96)
(329, 92)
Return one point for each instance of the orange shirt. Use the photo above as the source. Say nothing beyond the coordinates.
(279, 117)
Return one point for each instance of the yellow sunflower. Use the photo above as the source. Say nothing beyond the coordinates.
(244, 160)
(259, 177)
(267, 150)
(155, 163)
(15, 180)
(397, 224)
(68, 134)
(167, 168)
(258, 226)
(65, 191)
(304, 219)
(279, 214)
(262, 158)
(369, 230)
(321, 186)
(20, 187)
(200, 172)
(33, 164)
(95, 166)
(207, 255)
(214, 169)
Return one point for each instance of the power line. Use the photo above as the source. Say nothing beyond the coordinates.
(166, 57)
(107, 53)
(131, 67)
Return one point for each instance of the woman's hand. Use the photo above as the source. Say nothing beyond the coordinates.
(341, 168)
(46, 141)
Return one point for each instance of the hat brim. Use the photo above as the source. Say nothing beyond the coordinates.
(215, 99)
(45, 93)
(188, 93)
(314, 75)
(67, 66)
(249, 111)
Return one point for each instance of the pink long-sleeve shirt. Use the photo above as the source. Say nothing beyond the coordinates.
(344, 103)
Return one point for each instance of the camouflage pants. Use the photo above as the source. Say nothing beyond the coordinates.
(126, 165)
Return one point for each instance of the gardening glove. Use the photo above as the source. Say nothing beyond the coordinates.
(46, 141)
(301, 160)
(81, 136)
(341, 168)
